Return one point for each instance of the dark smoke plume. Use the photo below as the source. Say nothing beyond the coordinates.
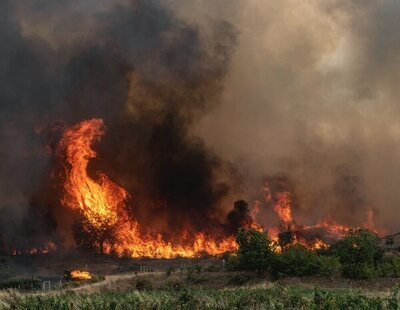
(188, 89)
(147, 73)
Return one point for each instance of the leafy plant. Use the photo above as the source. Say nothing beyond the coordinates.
(255, 252)
(359, 253)
(328, 265)
(359, 246)
(296, 261)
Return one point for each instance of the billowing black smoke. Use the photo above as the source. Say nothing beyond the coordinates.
(147, 73)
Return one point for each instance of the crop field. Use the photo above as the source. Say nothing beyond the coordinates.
(236, 298)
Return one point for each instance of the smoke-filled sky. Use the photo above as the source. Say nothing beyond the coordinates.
(313, 93)
(202, 100)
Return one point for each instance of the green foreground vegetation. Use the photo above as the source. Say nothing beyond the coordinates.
(356, 256)
(252, 278)
(238, 298)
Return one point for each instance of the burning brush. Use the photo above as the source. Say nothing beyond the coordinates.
(102, 206)
(317, 236)
(105, 221)
(77, 275)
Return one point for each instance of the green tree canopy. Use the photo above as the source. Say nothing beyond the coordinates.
(255, 251)
(359, 246)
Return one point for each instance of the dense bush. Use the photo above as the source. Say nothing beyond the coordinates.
(359, 271)
(357, 256)
(328, 265)
(255, 252)
(389, 267)
(232, 263)
(359, 246)
(359, 253)
(297, 261)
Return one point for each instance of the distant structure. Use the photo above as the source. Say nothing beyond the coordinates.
(391, 242)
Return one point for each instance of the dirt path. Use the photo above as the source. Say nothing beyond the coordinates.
(110, 279)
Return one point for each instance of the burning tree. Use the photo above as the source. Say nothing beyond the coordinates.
(104, 222)
(98, 201)
(95, 238)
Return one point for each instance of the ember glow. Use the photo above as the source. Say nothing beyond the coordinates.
(102, 204)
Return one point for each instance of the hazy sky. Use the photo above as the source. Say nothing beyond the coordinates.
(313, 93)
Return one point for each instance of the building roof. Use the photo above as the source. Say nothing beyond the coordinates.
(390, 236)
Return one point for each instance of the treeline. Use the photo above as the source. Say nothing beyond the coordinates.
(356, 256)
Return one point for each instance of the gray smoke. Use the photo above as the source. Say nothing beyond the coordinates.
(313, 95)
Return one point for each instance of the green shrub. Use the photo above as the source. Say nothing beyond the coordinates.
(232, 263)
(359, 253)
(359, 271)
(358, 247)
(389, 267)
(328, 266)
(296, 261)
(255, 251)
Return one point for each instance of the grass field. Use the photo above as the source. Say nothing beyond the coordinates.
(234, 298)
(214, 290)
(201, 284)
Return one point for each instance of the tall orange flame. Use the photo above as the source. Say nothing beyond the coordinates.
(98, 201)
(103, 204)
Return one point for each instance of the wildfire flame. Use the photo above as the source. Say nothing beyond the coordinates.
(80, 275)
(103, 203)
(282, 205)
(98, 201)
(103, 206)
